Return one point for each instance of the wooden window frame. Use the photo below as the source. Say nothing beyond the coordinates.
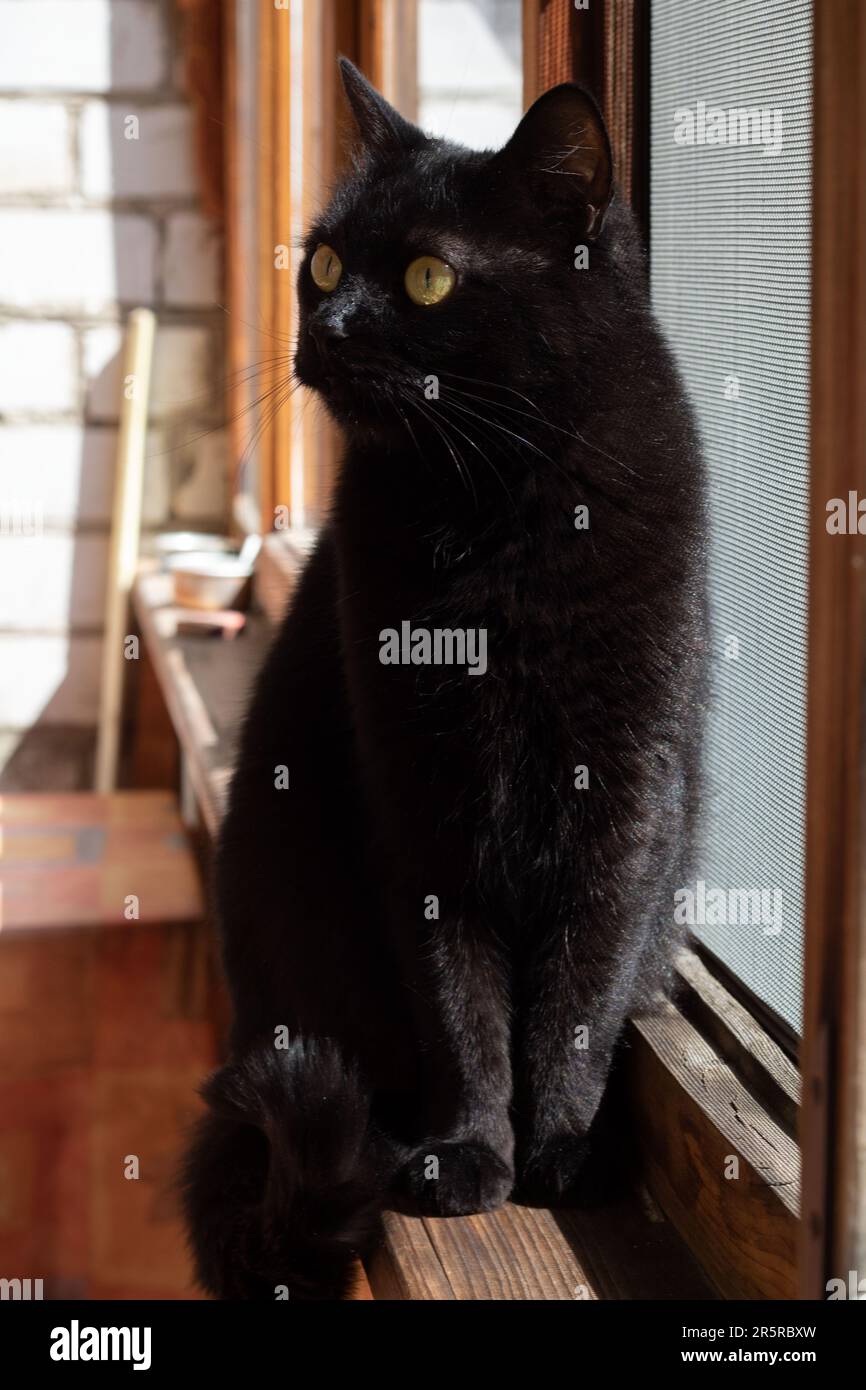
(292, 450)
(388, 50)
(834, 1044)
(286, 162)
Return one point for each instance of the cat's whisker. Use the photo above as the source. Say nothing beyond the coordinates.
(594, 487)
(459, 463)
(572, 433)
(496, 385)
(502, 405)
(234, 378)
(274, 399)
(536, 414)
(266, 333)
(514, 409)
(241, 376)
(407, 423)
(456, 453)
(262, 398)
(231, 420)
(475, 416)
(497, 424)
(480, 451)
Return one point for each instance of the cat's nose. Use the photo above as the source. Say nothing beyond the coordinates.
(326, 332)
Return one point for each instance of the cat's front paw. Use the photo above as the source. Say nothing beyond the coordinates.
(562, 1172)
(454, 1178)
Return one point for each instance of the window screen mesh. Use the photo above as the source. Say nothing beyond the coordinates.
(730, 257)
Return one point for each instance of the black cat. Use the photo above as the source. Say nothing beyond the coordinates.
(487, 700)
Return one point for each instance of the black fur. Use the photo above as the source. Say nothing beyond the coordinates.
(556, 390)
(285, 1182)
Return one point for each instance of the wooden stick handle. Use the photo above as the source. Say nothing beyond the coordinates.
(125, 529)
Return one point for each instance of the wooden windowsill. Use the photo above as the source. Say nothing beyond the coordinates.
(713, 1101)
(204, 684)
(715, 1104)
(623, 1251)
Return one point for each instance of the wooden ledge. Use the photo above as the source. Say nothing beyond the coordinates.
(719, 1156)
(204, 683)
(70, 860)
(621, 1251)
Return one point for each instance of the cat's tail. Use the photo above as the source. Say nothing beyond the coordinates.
(285, 1180)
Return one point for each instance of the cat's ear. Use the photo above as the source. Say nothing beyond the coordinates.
(561, 148)
(382, 129)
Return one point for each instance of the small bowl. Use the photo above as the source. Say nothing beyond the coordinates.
(169, 543)
(210, 581)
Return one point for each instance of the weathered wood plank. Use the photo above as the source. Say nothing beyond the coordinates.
(759, 1062)
(632, 1252)
(513, 1253)
(205, 683)
(407, 1266)
(620, 1251)
(693, 1118)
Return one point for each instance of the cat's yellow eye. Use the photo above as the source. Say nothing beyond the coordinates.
(428, 280)
(326, 268)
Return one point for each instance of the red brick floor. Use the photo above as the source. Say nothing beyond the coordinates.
(104, 1036)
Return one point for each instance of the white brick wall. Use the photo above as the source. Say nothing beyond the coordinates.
(201, 471)
(183, 378)
(82, 261)
(60, 577)
(136, 152)
(35, 147)
(62, 472)
(91, 224)
(38, 367)
(81, 45)
(55, 679)
(191, 262)
(64, 475)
